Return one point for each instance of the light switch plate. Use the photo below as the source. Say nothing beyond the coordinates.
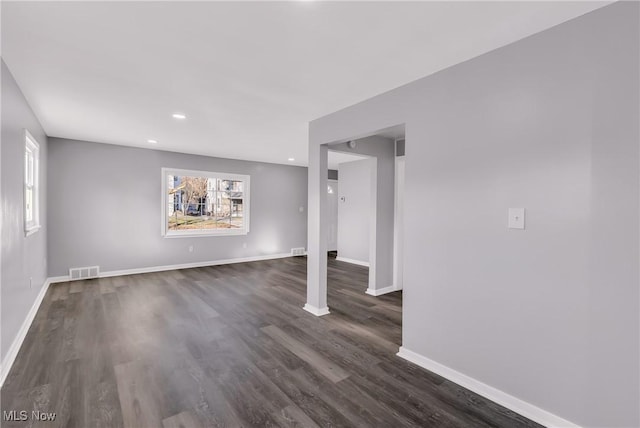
(516, 218)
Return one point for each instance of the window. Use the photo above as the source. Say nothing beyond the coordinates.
(31, 184)
(200, 203)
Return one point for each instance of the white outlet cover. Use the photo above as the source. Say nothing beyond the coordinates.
(516, 218)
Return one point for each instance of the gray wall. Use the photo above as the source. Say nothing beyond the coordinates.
(21, 257)
(549, 314)
(105, 203)
(354, 213)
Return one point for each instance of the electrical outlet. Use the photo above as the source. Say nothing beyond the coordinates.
(191, 248)
(244, 245)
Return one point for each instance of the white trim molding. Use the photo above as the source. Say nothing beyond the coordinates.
(12, 353)
(517, 405)
(180, 266)
(398, 222)
(352, 261)
(316, 311)
(31, 184)
(381, 291)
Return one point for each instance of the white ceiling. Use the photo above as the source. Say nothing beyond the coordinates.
(249, 76)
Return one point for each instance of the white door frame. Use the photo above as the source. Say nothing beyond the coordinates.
(398, 224)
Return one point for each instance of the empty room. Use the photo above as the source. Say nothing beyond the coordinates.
(320, 214)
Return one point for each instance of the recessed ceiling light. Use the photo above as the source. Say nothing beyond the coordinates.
(291, 159)
(152, 141)
(179, 116)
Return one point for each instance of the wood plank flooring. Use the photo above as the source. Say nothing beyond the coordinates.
(230, 346)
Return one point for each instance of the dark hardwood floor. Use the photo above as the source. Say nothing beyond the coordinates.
(230, 346)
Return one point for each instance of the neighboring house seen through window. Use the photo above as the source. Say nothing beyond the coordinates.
(201, 203)
(31, 184)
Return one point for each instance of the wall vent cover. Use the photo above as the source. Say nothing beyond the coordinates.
(84, 272)
(298, 251)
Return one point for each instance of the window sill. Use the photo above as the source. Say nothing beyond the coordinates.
(203, 235)
(30, 231)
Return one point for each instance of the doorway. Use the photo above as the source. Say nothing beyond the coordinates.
(332, 210)
(367, 209)
(335, 209)
(384, 245)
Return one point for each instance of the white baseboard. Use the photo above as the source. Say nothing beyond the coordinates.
(381, 291)
(316, 311)
(179, 266)
(352, 261)
(12, 353)
(517, 405)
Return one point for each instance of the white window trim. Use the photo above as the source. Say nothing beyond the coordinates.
(31, 227)
(246, 201)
